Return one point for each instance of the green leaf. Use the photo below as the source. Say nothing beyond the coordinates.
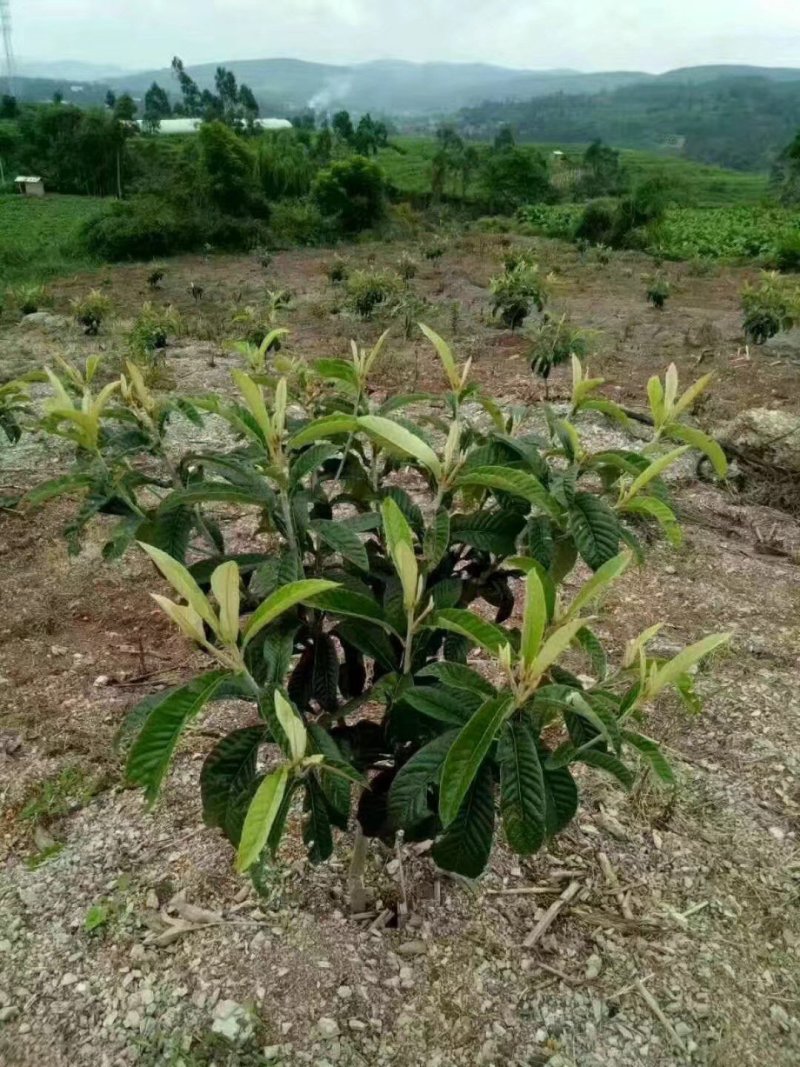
(703, 443)
(466, 844)
(281, 600)
(169, 531)
(260, 816)
(468, 752)
(151, 753)
(292, 725)
(54, 487)
(438, 703)
(658, 510)
(310, 461)
(651, 752)
(460, 621)
(342, 540)
(516, 482)
(556, 644)
(445, 355)
(534, 617)
(595, 586)
(338, 370)
(325, 673)
(228, 779)
(398, 439)
(522, 793)
(256, 495)
(680, 664)
(327, 426)
(437, 539)
(590, 643)
(346, 602)
(458, 676)
(488, 531)
(317, 833)
(598, 715)
(595, 528)
(370, 640)
(561, 797)
(604, 761)
(410, 790)
(653, 470)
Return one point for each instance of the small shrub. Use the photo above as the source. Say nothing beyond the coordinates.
(769, 308)
(298, 222)
(90, 310)
(658, 291)
(433, 251)
(146, 227)
(28, 299)
(155, 278)
(367, 290)
(407, 267)
(516, 293)
(338, 270)
(787, 255)
(551, 343)
(596, 224)
(151, 331)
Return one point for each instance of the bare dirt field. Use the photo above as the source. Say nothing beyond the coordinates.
(127, 938)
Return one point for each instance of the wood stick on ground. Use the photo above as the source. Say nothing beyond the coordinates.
(551, 914)
(382, 920)
(402, 906)
(610, 876)
(522, 891)
(652, 1004)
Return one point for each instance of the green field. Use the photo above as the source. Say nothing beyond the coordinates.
(408, 166)
(39, 238)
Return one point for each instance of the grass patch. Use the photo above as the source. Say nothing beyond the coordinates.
(70, 789)
(39, 238)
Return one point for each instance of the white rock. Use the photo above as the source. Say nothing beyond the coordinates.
(327, 1028)
(594, 966)
(344, 991)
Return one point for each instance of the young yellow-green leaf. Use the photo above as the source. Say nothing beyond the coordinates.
(279, 417)
(270, 338)
(691, 395)
(225, 587)
(406, 563)
(396, 438)
(658, 510)
(184, 616)
(467, 753)
(670, 388)
(653, 471)
(182, 582)
(633, 646)
(703, 443)
(327, 426)
(254, 400)
(670, 672)
(534, 618)
(594, 587)
(395, 527)
(375, 352)
(292, 726)
(445, 355)
(558, 642)
(281, 600)
(460, 621)
(260, 816)
(655, 394)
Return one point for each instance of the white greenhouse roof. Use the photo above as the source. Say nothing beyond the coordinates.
(22, 180)
(188, 125)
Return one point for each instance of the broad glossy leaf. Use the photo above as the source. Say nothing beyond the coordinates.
(684, 661)
(342, 540)
(651, 752)
(281, 600)
(317, 833)
(703, 443)
(346, 602)
(151, 753)
(409, 793)
(292, 726)
(441, 704)
(445, 355)
(182, 582)
(486, 634)
(261, 814)
(466, 844)
(327, 426)
(518, 483)
(457, 676)
(595, 528)
(522, 792)
(468, 752)
(437, 539)
(397, 438)
(604, 761)
(596, 585)
(228, 779)
(534, 617)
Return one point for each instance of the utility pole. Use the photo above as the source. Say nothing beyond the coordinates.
(5, 29)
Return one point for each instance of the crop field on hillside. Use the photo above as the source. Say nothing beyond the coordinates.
(38, 238)
(414, 535)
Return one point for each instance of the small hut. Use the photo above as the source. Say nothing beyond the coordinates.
(30, 186)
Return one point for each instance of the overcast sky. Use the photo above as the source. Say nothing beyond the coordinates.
(653, 35)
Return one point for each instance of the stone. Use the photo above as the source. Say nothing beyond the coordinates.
(8, 1013)
(356, 1024)
(772, 435)
(593, 966)
(231, 1020)
(412, 948)
(327, 1028)
(344, 991)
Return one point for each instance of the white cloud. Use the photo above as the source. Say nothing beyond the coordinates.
(588, 34)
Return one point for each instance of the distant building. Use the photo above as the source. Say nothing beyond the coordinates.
(186, 125)
(31, 186)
